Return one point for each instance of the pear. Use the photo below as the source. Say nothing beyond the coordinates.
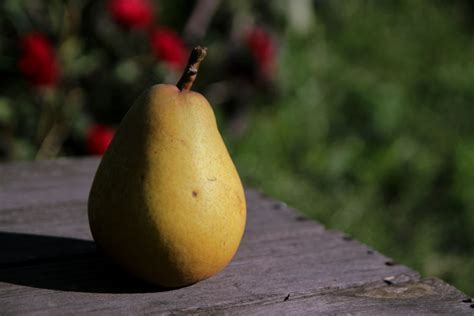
(167, 203)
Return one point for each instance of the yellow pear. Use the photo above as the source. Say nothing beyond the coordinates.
(167, 203)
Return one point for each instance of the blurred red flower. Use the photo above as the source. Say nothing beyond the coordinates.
(132, 13)
(98, 139)
(262, 48)
(168, 47)
(38, 61)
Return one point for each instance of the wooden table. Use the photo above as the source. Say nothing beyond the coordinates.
(286, 264)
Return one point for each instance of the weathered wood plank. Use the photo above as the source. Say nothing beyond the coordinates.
(27, 185)
(410, 297)
(86, 284)
(48, 262)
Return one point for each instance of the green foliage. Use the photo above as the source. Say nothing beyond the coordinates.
(373, 133)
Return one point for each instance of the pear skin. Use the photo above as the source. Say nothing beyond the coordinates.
(167, 203)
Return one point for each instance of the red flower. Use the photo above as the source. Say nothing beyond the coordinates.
(262, 48)
(169, 47)
(99, 138)
(132, 13)
(38, 61)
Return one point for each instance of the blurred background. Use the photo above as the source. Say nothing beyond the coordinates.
(358, 113)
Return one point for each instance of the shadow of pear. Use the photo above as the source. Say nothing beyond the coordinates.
(64, 264)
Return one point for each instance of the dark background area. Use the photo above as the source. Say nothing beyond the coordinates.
(359, 113)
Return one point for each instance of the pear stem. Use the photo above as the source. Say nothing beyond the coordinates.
(189, 75)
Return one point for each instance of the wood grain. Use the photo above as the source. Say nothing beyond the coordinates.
(286, 264)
